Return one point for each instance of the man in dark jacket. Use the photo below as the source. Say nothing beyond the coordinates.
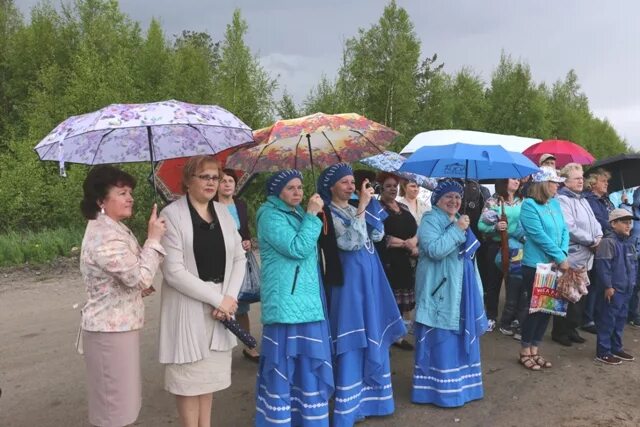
(616, 267)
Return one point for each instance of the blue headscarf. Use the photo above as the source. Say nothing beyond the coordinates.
(278, 180)
(329, 177)
(445, 186)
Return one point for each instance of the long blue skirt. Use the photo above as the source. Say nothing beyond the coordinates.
(447, 369)
(364, 321)
(295, 376)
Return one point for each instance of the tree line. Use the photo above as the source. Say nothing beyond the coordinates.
(75, 58)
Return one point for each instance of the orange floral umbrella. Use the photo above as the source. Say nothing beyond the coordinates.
(316, 140)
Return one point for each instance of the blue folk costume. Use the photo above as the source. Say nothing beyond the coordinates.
(363, 314)
(450, 314)
(295, 375)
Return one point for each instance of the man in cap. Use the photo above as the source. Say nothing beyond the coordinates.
(616, 269)
(548, 160)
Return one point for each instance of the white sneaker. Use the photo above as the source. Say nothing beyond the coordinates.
(491, 325)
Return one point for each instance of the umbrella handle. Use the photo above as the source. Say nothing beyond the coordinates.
(153, 172)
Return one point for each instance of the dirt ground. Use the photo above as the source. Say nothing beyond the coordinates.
(42, 377)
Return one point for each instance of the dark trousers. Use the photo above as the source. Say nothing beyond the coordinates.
(492, 282)
(610, 320)
(588, 313)
(516, 305)
(634, 305)
(534, 325)
(563, 327)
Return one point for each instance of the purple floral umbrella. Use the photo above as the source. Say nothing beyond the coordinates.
(122, 133)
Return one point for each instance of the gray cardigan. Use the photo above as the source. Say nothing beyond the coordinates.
(187, 301)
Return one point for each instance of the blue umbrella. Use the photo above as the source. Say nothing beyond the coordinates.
(467, 161)
(388, 161)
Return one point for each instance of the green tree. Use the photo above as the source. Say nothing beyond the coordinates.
(468, 99)
(242, 85)
(325, 98)
(286, 108)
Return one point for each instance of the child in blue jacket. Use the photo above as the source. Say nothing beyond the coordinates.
(616, 265)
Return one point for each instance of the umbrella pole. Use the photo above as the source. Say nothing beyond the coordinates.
(313, 173)
(466, 175)
(153, 174)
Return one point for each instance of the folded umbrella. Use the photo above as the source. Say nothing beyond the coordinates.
(234, 327)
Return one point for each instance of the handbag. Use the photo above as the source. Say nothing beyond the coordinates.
(250, 289)
(573, 284)
(545, 297)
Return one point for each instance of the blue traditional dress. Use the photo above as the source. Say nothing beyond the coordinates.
(364, 321)
(447, 368)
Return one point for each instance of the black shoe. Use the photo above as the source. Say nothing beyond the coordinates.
(565, 341)
(576, 338)
(590, 328)
(623, 355)
(609, 359)
(403, 345)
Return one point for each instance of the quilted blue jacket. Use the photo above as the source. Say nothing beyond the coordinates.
(290, 285)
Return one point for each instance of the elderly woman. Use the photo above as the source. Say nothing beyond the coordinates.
(585, 234)
(547, 241)
(400, 250)
(363, 314)
(449, 313)
(203, 272)
(117, 273)
(295, 377)
(409, 191)
(238, 210)
(505, 199)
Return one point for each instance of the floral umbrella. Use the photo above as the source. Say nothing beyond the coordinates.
(316, 140)
(121, 133)
(391, 162)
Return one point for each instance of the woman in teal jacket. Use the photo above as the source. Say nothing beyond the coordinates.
(547, 241)
(295, 376)
(449, 308)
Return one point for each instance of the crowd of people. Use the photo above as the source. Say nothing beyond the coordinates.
(343, 278)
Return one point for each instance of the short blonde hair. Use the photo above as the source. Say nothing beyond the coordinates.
(193, 165)
(570, 167)
(594, 175)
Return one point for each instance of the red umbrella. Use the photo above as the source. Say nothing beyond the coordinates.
(564, 152)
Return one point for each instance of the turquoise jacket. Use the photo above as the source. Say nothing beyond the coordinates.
(439, 271)
(547, 235)
(290, 283)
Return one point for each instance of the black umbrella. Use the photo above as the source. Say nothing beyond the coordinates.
(624, 169)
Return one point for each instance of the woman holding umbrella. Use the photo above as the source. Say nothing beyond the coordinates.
(449, 312)
(203, 272)
(363, 314)
(295, 377)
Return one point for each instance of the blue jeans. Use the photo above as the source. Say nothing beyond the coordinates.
(534, 325)
(610, 320)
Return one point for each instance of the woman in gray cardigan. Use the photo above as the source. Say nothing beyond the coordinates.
(203, 272)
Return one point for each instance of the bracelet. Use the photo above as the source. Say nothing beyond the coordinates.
(359, 213)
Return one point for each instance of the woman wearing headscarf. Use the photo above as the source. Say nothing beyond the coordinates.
(363, 313)
(547, 241)
(295, 376)
(203, 272)
(117, 273)
(450, 315)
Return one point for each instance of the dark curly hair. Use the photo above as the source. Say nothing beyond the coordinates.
(97, 184)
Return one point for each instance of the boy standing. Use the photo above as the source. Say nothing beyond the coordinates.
(616, 269)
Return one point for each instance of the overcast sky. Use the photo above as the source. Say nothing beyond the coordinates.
(300, 40)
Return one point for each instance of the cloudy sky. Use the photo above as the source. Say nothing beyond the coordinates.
(300, 40)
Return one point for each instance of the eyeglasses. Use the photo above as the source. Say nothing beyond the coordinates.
(207, 178)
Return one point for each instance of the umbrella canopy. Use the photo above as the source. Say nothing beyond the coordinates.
(121, 133)
(564, 151)
(624, 169)
(316, 140)
(391, 162)
(468, 161)
(451, 136)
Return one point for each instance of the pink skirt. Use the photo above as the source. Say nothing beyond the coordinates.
(113, 377)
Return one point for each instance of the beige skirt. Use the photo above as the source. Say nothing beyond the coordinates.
(113, 377)
(213, 373)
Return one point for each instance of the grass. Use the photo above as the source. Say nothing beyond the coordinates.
(40, 247)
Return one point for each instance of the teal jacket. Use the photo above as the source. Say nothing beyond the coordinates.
(290, 283)
(439, 271)
(547, 235)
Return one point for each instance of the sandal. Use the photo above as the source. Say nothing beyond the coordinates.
(527, 361)
(541, 361)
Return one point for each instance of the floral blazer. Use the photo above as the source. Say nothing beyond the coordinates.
(115, 270)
